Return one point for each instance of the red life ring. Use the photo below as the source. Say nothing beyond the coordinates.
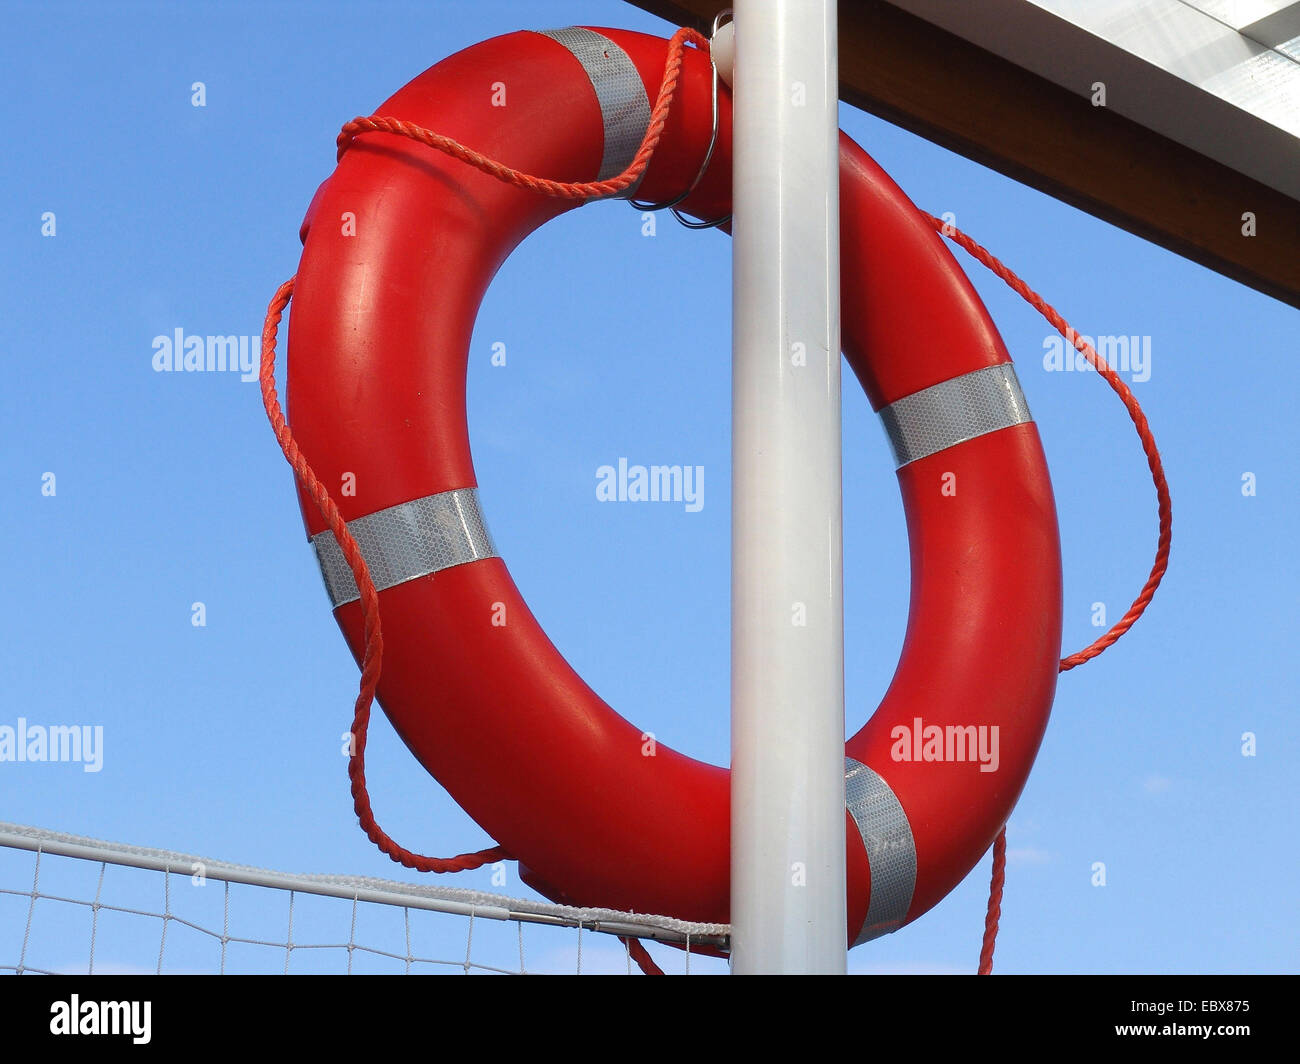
(383, 321)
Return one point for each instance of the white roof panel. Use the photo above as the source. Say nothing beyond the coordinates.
(1219, 76)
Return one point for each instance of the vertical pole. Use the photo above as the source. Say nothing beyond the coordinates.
(787, 655)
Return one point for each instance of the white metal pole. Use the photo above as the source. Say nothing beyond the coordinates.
(787, 656)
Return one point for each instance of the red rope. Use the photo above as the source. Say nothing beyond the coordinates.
(639, 954)
(1164, 512)
(374, 653)
(580, 190)
(995, 903)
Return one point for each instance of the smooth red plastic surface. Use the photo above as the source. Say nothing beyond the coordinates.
(379, 336)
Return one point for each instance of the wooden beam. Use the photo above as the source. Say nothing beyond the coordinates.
(935, 84)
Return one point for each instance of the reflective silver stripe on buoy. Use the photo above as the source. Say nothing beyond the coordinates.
(954, 411)
(624, 105)
(407, 541)
(891, 850)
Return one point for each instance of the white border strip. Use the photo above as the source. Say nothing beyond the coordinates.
(624, 106)
(407, 541)
(886, 834)
(954, 411)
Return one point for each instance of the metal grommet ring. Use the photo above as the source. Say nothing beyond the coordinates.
(671, 204)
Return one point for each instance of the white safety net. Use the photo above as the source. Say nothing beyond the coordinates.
(73, 905)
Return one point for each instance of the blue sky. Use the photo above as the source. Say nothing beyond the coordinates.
(225, 739)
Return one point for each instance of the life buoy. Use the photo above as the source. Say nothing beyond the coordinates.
(379, 341)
